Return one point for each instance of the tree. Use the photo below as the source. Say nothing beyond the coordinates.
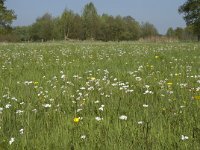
(132, 28)
(191, 11)
(22, 32)
(170, 32)
(105, 33)
(42, 29)
(77, 29)
(57, 30)
(179, 33)
(91, 21)
(148, 30)
(189, 33)
(66, 21)
(6, 17)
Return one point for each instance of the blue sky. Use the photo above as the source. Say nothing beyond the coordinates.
(161, 13)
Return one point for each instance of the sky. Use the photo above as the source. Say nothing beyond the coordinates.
(162, 13)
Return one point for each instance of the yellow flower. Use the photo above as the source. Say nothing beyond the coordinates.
(156, 57)
(76, 120)
(169, 83)
(36, 83)
(92, 78)
(197, 97)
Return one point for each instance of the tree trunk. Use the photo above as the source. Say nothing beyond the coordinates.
(65, 36)
(198, 37)
(67, 32)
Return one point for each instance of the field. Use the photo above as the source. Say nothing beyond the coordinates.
(107, 96)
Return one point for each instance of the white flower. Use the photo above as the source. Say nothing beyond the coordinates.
(107, 96)
(8, 106)
(34, 110)
(78, 110)
(82, 88)
(98, 118)
(148, 92)
(96, 102)
(183, 137)
(19, 111)
(145, 105)
(83, 136)
(1, 109)
(21, 103)
(21, 131)
(140, 122)
(91, 88)
(14, 99)
(115, 79)
(138, 78)
(51, 99)
(46, 105)
(123, 117)
(101, 108)
(11, 140)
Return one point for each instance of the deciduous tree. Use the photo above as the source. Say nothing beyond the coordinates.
(91, 21)
(6, 17)
(191, 11)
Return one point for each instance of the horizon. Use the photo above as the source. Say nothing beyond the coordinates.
(160, 16)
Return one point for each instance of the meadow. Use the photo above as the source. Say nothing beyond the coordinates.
(104, 96)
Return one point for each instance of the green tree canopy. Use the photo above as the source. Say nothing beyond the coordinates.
(91, 21)
(148, 30)
(42, 28)
(66, 22)
(170, 32)
(191, 11)
(6, 17)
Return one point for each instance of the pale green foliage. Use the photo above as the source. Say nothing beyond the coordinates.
(191, 11)
(67, 22)
(148, 30)
(6, 17)
(181, 33)
(90, 21)
(42, 28)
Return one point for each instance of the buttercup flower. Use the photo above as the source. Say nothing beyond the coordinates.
(169, 83)
(76, 120)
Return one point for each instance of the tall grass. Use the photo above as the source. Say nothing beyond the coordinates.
(45, 86)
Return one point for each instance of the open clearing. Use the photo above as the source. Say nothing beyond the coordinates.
(100, 96)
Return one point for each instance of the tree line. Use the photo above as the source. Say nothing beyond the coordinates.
(183, 34)
(87, 26)
(92, 26)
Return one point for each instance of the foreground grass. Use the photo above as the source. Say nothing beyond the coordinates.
(45, 86)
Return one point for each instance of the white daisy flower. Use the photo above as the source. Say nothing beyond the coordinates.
(183, 137)
(98, 118)
(123, 117)
(11, 140)
(145, 105)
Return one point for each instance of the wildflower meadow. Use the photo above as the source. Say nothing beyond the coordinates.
(99, 96)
